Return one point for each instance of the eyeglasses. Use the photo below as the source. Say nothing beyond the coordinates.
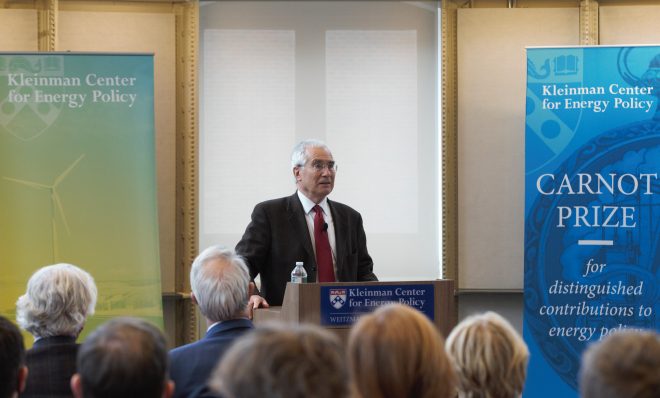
(319, 165)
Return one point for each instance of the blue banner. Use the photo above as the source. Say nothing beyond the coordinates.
(592, 211)
(343, 305)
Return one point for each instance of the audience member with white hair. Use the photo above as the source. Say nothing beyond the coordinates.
(624, 364)
(489, 356)
(58, 300)
(219, 280)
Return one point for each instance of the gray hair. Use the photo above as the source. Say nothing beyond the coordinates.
(58, 300)
(221, 290)
(624, 364)
(299, 153)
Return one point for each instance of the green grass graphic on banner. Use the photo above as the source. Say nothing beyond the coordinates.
(77, 177)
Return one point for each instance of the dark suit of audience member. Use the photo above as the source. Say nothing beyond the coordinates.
(58, 300)
(13, 371)
(123, 358)
(282, 231)
(192, 364)
(220, 287)
(52, 362)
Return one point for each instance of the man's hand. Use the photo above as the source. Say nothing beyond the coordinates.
(255, 302)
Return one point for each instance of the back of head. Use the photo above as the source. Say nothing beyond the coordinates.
(624, 364)
(397, 352)
(12, 357)
(125, 357)
(57, 301)
(220, 280)
(489, 356)
(281, 361)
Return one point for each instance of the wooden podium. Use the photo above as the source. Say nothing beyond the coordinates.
(302, 303)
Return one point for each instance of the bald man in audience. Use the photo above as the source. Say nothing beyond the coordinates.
(219, 280)
(123, 358)
(13, 372)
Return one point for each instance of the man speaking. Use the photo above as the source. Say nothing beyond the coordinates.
(327, 236)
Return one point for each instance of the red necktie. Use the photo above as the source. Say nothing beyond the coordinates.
(323, 251)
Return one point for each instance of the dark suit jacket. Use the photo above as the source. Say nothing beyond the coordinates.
(191, 364)
(278, 236)
(51, 362)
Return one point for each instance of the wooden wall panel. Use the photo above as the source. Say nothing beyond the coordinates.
(18, 30)
(629, 25)
(104, 31)
(491, 147)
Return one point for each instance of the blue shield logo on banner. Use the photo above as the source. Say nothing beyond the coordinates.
(337, 298)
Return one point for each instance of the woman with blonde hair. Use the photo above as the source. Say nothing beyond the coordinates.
(397, 352)
(489, 356)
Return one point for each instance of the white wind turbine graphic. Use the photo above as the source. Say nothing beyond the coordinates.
(56, 203)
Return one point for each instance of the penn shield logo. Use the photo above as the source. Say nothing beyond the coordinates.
(337, 298)
(24, 112)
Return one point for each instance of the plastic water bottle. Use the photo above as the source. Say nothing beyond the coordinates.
(299, 275)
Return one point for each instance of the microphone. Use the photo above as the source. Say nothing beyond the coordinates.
(325, 227)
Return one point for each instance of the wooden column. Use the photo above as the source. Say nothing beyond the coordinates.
(47, 24)
(589, 23)
(187, 192)
(449, 123)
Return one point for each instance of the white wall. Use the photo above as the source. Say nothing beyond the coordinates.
(361, 76)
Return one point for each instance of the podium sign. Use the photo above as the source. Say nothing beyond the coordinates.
(343, 305)
(337, 305)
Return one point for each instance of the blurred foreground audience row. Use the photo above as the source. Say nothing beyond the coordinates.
(393, 352)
